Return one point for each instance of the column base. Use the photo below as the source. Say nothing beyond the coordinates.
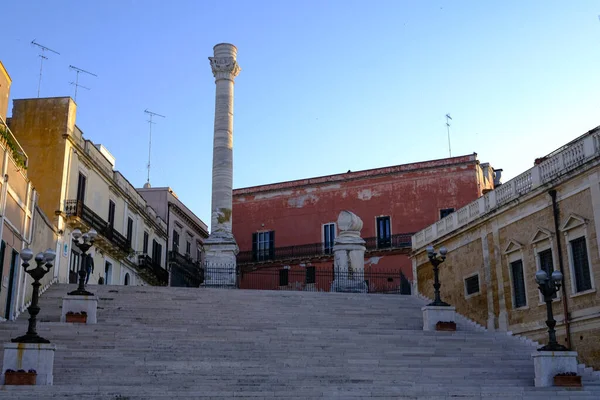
(220, 268)
(78, 304)
(349, 286)
(434, 314)
(26, 356)
(547, 364)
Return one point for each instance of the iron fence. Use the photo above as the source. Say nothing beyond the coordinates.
(306, 279)
(398, 241)
(152, 271)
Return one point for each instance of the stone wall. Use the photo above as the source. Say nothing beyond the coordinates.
(519, 231)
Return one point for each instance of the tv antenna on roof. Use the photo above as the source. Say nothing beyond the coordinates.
(448, 119)
(152, 114)
(42, 57)
(76, 83)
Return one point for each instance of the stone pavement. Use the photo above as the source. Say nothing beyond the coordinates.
(164, 343)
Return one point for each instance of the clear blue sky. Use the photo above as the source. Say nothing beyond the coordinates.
(326, 86)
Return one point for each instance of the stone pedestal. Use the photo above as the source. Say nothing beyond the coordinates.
(220, 263)
(434, 314)
(349, 256)
(547, 364)
(77, 304)
(26, 356)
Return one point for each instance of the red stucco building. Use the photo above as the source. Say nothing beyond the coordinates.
(291, 226)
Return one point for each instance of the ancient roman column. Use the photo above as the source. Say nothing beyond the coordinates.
(220, 247)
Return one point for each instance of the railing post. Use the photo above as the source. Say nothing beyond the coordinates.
(536, 177)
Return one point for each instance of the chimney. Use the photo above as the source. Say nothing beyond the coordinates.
(497, 177)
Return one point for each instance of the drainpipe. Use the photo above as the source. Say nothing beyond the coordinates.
(556, 215)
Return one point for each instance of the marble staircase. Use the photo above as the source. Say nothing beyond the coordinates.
(188, 343)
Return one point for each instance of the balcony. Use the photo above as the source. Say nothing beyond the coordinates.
(151, 271)
(81, 216)
(185, 271)
(395, 242)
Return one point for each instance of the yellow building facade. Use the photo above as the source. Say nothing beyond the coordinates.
(546, 218)
(80, 188)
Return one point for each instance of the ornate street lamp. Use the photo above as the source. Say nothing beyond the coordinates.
(87, 241)
(436, 261)
(44, 262)
(549, 287)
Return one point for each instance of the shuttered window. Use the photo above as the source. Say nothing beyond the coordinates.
(263, 246)
(519, 298)
(581, 266)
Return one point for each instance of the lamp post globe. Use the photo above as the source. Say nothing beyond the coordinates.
(541, 276)
(557, 276)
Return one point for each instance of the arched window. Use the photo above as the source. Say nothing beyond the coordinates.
(127, 279)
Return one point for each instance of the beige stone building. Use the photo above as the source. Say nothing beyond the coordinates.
(546, 218)
(22, 223)
(186, 231)
(80, 188)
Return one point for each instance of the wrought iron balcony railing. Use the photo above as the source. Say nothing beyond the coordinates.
(160, 276)
(76, 208)
(398, 241)
(185, 271)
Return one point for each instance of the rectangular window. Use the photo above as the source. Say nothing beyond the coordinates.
(546, 264)
(581, 265)
(310, 275)
(328, 237)
(145, 245)
(107, 273)
(519, 298)
(111, 213)
(283, 277)
(129, 230)
(444, 212)
(81, 187)
(198, 252)
(188, 248)
(263, 245)
(156, 252)
(384, 236)
(175, 241)
(472, 285)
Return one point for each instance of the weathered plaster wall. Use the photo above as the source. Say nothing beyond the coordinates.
(39, 126)
(5, 83)
(412, 195)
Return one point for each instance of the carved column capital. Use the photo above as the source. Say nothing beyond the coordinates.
(224, 67)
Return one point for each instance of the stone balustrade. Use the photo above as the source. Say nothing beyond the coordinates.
(560, 163)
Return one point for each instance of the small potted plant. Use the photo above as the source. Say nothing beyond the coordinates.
(79, 317)
(20, 377)
(567, 379)
(445, 326)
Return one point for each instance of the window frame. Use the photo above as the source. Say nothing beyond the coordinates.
(145, 242)
(541, 241)
(379, 241)
(574, 228)
(328, 249)
(478, 292)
